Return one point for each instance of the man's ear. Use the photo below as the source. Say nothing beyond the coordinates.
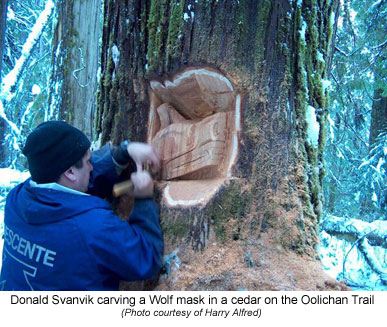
(69, 174)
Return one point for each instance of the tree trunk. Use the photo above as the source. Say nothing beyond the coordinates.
(3, 125)
(75, 63)
(378, 115)
(232, 94)
(3, 20)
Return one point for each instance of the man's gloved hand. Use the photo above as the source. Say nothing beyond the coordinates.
(143, 185)
(142, 153)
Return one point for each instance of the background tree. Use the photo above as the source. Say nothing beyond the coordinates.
(259, 231)
(358, 89)
(355, 188)
(75, 53)
(379, 115)
(3, 19)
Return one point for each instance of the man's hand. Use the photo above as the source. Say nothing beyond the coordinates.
(143, 153)
(143, 185)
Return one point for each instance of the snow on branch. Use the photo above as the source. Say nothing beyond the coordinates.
(368, 251)
(9, 81)
(354, 229)
(366, 237)
(14, 128)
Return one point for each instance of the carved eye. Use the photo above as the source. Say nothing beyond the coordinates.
(215, 129)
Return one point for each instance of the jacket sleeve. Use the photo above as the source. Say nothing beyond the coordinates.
(130, 250)
(104, 174)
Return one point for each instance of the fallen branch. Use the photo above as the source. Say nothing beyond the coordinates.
(370, 258)
(354, 229)
(363, 235)
(346, 255)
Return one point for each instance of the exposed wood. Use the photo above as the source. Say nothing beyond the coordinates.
(187, 148)
(198, 137)
(197, 93)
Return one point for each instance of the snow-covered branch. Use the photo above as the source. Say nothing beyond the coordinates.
(367, 240)
(10, 80)
(354, 229)
(14, 128)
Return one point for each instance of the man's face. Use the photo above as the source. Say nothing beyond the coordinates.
(83, 174)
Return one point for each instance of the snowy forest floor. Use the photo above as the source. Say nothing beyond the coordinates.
(351, 250)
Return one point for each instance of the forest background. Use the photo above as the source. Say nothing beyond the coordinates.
(355, 188)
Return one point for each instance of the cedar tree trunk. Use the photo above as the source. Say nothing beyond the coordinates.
(243, 214)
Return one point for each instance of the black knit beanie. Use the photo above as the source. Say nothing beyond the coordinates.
(52, 148)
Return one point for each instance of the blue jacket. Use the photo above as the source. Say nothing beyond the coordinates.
(58, 240)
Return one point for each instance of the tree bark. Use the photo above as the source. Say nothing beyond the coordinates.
(75, 55)
(262, 214)
(378, 115)
(3, 20)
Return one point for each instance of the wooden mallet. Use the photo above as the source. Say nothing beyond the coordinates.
(126, 186)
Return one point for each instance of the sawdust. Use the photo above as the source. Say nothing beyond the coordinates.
(253, 267)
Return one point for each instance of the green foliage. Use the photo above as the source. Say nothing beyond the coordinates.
(374, 177)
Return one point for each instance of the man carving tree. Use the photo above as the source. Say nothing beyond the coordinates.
(58, 237)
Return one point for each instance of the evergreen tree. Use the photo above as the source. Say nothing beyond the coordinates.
(359, 84)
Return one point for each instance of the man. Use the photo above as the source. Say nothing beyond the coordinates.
(58, 237)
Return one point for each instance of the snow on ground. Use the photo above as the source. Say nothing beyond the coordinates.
(11, 177)
(334, 252)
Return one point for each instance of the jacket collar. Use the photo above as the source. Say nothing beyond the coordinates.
(56, 186)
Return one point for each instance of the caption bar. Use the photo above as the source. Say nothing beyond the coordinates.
(191, 306)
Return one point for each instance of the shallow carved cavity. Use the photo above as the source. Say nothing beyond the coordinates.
(194, 124)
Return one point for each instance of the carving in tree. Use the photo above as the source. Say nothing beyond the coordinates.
(191, 148)
(194, 124)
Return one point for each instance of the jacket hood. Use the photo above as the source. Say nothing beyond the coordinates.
(37, 205)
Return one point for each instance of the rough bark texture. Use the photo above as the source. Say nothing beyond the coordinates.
(378, 116)
(259, 230)
(3, 18)
(75, 63)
